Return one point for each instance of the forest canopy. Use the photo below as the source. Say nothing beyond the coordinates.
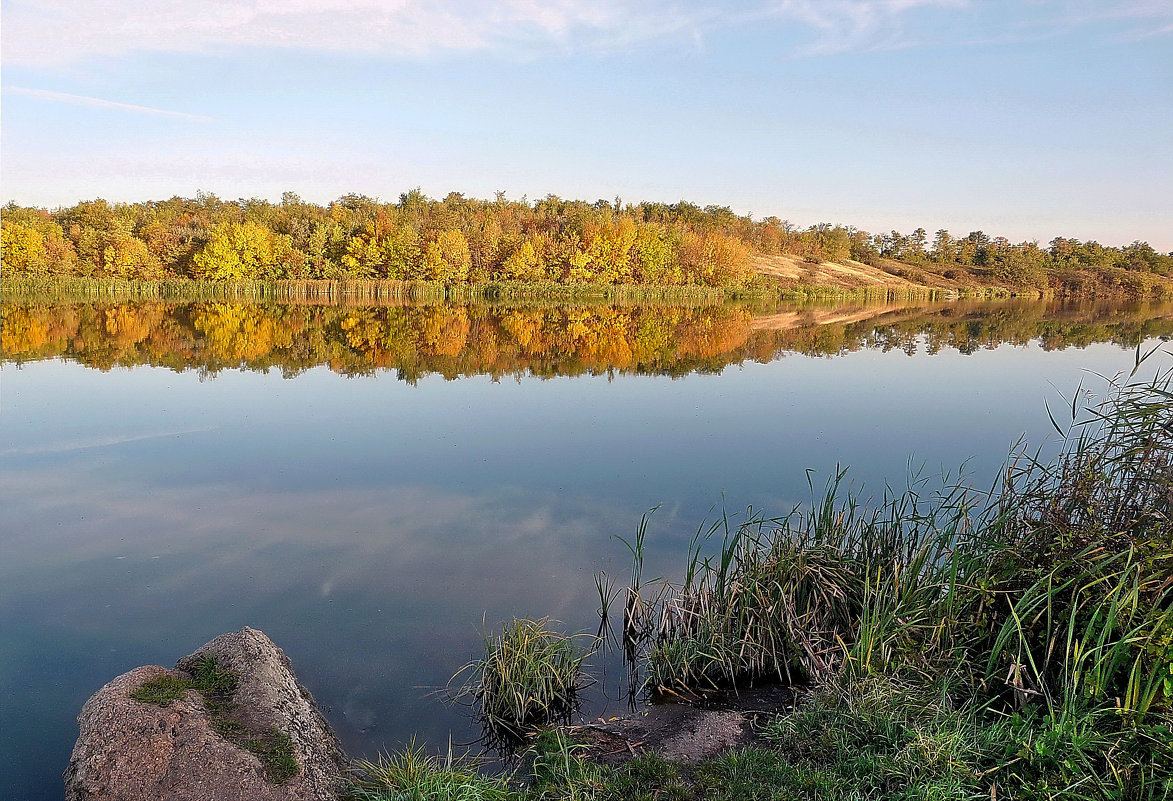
(460, 240)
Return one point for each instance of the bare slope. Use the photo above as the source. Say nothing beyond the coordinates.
(848, 275)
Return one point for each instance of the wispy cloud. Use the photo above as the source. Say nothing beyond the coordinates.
(54, 32)
(843, 25)
(1142, 18)
(88, 443)
(57, 32)
(97, 102)
(1046, 19)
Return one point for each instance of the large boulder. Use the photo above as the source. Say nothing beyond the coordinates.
(205, 747)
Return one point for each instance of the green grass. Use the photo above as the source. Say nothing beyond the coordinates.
(529, 675)
(276, 752)
(161, 691)
(212, 680)
(555, 767)
(873, 740)
(415, 775)
(882, 738)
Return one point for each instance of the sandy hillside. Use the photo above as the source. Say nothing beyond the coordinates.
(848, 275)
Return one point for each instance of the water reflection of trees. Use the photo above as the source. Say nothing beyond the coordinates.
(462, 340)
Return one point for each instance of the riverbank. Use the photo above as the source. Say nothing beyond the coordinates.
(353, 292)
(383, 292)
(777, 279)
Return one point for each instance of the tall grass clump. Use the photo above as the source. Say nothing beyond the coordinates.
(1049, 597)
(802, 597)
(1080, 590)
(530, 675)
(1057, 583)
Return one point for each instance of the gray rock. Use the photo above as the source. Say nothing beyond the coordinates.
(130, 750)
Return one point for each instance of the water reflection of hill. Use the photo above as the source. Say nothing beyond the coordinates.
(463, 340)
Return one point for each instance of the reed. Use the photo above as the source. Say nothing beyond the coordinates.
(360, 291)
(1055, 588)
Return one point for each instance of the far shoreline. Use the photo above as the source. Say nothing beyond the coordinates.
(378, 292)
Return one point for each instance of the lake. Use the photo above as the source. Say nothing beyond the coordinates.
(374, 486)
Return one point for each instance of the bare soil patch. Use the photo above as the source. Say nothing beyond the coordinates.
(684, 732)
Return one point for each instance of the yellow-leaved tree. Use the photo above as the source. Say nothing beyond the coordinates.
(238, 252)
(656, 259)
(447, 258)
(570, 262)
(525, 263)
(609, 246)
(128, 257)
(384, 249)
(22, 249)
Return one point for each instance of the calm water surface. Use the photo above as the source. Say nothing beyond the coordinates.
(369, 485)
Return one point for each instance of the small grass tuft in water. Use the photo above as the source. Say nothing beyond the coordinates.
(530, 675)
(161, 691)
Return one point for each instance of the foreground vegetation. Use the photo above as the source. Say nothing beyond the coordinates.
(955, 644)
(461, 242)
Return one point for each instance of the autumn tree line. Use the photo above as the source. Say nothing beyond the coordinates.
(453, 241)
(460, 240)
(455, 340)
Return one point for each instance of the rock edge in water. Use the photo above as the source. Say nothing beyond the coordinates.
(130, 750)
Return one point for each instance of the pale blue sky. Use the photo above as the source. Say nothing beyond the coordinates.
(1028, 119)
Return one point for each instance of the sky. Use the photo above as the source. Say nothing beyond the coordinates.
(1027, 119)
